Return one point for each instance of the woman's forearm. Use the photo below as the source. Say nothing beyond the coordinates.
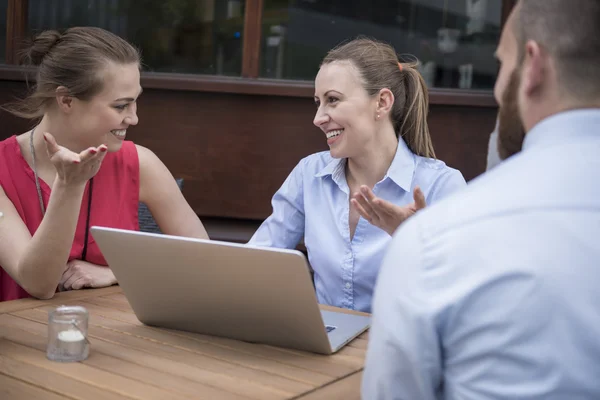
(45, 258)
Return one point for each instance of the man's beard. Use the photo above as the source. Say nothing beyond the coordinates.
(510, 126)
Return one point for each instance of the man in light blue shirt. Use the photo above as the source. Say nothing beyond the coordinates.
(493, 293)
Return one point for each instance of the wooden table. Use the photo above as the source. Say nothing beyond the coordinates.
(129, 360)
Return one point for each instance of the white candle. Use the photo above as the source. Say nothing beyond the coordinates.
(70, 336)
(71, 341)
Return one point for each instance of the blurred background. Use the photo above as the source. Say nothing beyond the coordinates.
(228, 84)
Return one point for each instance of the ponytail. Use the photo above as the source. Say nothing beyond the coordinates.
(414, 128)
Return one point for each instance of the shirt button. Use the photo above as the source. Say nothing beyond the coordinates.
(348, 285)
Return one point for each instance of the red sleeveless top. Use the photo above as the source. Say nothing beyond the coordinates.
(115, 201)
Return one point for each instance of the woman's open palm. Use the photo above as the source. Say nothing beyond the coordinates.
(74, 168)
(382, 213)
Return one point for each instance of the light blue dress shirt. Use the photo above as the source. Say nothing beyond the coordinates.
(314, 202)
(493, 293)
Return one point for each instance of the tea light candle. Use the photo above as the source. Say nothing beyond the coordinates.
(67, 330)
(71, 341)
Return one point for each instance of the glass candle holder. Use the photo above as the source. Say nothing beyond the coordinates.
(67, 334)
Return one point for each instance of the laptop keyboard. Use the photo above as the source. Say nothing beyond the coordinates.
(329, 328)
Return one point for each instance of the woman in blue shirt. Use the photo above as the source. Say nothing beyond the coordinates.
(372, 110)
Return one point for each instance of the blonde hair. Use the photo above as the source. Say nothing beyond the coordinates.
(379, 68)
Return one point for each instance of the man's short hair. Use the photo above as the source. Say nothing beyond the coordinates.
(570, 31)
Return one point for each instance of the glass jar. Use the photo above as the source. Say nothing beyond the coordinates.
(67, 334)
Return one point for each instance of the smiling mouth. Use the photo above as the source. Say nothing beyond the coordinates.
(332, 134)
(119, 133)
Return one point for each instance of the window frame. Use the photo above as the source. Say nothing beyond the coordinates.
(248, 83)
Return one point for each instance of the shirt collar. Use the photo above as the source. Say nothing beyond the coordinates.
(403, 166)
(562, 127)
(336, 169)
(401, 170)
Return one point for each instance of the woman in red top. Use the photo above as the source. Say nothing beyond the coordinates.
(74, 169)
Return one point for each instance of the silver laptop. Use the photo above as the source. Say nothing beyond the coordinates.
(260, 295)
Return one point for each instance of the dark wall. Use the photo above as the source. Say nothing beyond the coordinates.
(235, 150)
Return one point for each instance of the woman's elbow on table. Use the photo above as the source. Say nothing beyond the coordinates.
(37, 288)
(41, 292)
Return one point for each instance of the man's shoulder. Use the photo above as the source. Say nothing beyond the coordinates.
(483, 198)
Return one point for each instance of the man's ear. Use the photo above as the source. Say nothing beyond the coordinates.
(535, 68)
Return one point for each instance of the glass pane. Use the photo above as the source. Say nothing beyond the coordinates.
(3, 6)
(191, 36)
(454, 40)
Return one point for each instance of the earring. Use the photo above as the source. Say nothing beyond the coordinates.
(377, 116)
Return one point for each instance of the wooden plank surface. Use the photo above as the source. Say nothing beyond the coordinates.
(347, 388)
(15, 389)
(129, 360)
(140, 366)
(58, 299)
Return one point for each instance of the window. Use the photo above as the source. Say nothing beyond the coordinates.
(454, 40)
(3, 7)
(187, 36)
